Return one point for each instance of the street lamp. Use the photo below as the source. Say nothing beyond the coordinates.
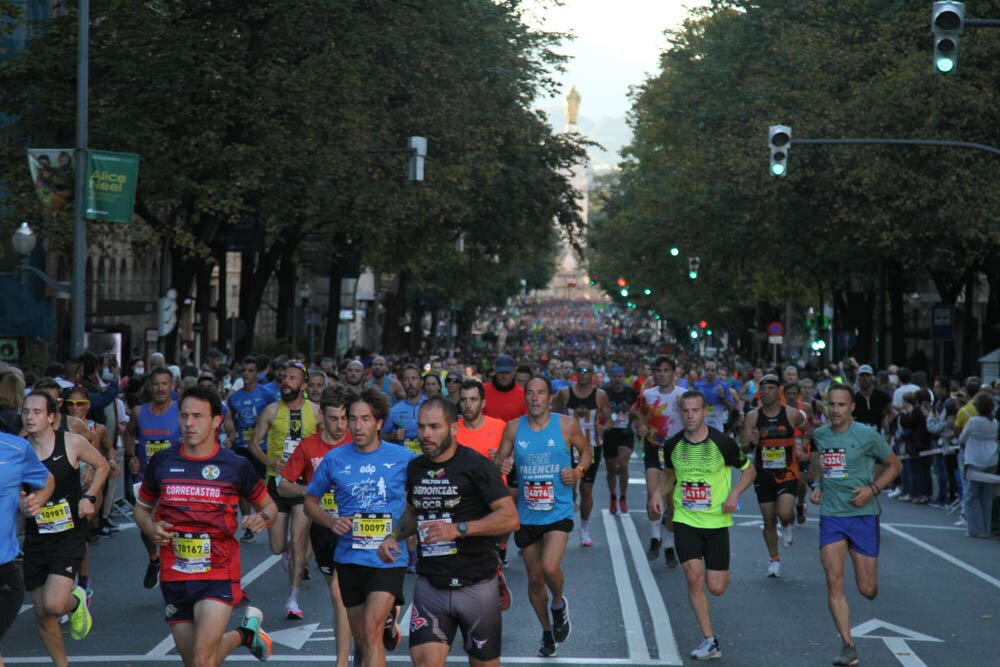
(24, 241)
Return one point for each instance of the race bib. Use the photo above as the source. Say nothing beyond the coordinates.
(291, 444)
(329, 504)
(696, 496)
(540, 496)
(192, 553)
(772, 458)
(154, 446)
(55, 517)
(413, 445)
(368, 530)
(619, 420)
(437, 548)
(834, 463)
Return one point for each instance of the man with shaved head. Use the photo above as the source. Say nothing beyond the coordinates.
(384, 382)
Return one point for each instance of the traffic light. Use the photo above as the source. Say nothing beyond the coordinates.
(703, 324)
(622, 282)
(818, 345)
(674, 252)
(694, 334)
(624, 292)
(779, 138)
(693, 264)
(947, 23)
(647, 291)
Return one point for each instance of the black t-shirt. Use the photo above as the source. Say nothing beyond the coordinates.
(460, 489)
(871, 410)
(621, 403)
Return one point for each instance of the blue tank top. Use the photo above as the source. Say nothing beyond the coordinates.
(538, 458)
(156, 432)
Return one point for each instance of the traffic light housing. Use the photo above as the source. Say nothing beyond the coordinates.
(779, 139)
(947, 23)
(693, 264)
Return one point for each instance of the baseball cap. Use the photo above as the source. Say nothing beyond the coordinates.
(504, 364)
(865, 368)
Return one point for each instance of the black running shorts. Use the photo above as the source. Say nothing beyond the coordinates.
(712, 544)
(438, 612)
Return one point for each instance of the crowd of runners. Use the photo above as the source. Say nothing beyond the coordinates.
(369, 468)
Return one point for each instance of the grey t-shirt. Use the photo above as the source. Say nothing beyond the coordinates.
(848, 460)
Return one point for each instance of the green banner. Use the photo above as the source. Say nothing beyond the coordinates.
(111, 181)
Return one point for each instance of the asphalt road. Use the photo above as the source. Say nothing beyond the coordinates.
(939, 601)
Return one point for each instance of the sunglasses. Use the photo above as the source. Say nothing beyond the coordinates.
(583, 370)
(453, 381)
(74, 401)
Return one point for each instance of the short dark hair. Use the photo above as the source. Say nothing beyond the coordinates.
(250, 359)
(474, 384)
(204, 394)
(905, 375)
(46, 384)
(50, 403)
(840, 386)
(376, 400)
(536, 376)
(162, 370)
(336, 396)
(409, 367)
(524, 368)
(664, 359)
(447, 407)
(692, 393)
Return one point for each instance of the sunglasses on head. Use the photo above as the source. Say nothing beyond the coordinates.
(453, 381)
(75, 401)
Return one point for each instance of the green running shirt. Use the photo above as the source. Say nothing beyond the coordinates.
(703, 477)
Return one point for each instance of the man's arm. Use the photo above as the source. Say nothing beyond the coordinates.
(562, 398)
(506, 449)
(80, 449)
(396, 389)
(603, 413)
(389, 550)
(260, 432)
(747, 476)
(128, 438)
(573, 434)
(749, 436)
(32, 503)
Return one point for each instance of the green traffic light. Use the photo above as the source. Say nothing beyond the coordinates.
(647, 291)
(674, 252)
(692, 274)
(708, 332)
(778, 169)
(694, 333)
(945, 64)
(624, 292)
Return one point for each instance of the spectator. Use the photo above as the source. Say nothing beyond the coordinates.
(906, 386)
(11, 395)
(916, 441)
(980, 439)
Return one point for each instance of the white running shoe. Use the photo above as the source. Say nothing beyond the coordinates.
(585, 540)
(774, 568)
(707, 650)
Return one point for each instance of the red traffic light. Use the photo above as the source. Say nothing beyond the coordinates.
(622, 282)
(703, 324)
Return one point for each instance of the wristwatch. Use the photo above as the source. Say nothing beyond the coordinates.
(89, 497)
(463, 528)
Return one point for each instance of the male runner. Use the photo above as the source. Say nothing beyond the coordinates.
(245, 407)
(458, 503)
(301, 467)
(384, 382)
(770, 431)
(286, 423)
(19, 469)
(315, 385)
(717, 396)
(354, 376)
(368, 479)
(187, 506)
(697, 471)
(541, 444)
(588, 404)
(842, 466)
(619, 439)
(565, 379)
(55, 541)
(659, 420)
(401, 426)
(504, 397)
(152, 428)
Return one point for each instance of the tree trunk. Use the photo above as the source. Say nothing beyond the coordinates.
(183, 271)
(897, 321)
(395, 304)
(222, 312)
(969, 352)
(203, 307)
(991, 328)
(333, 307)
(255, 271)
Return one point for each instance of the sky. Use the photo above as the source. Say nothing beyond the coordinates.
(618, 42)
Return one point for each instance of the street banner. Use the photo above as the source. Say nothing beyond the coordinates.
(111, 182)
(52, 175)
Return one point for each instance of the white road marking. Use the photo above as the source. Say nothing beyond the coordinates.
(900, 649)
(942, 554)
(634, 634)
(246, 657)
(162, 649)
(404, 622)
(663, 631)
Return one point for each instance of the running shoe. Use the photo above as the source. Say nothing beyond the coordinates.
(774, 568)
(247, 535)
(622, 505)
(613, 509)
(654, 550)
(670, 556)
(786, 536)
(292, 611)
(548, 648)
(708, 649)
(800, 513)
(848, 656)
(506, 599)
(560, 622)
(152, 574)
(254, 637)
(585, 540)
(80, 619)
(390, 633)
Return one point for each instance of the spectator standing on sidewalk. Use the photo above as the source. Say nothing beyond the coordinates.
(980, 439)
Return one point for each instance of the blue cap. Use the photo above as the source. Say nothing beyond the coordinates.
(504, 364)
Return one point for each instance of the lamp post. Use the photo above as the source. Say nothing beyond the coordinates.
(24, 240)
(77, 299)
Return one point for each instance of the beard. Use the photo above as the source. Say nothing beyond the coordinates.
(440, 449)
(290, 395)
(503, 387)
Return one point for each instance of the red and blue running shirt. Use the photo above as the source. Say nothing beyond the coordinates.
(200, 498)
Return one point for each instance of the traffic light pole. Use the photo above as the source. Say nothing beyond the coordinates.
(905, 142)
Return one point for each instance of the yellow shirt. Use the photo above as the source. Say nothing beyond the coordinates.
(286, 433)
(965, 413)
